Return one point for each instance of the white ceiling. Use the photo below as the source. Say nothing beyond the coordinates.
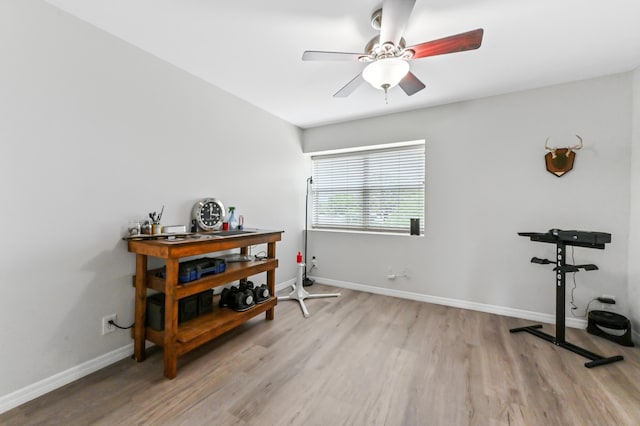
(253, 48)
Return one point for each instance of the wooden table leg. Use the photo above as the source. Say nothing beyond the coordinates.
(271, 279)
(171, 319)
(139, 335)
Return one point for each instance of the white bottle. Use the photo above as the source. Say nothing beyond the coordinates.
(233, 221)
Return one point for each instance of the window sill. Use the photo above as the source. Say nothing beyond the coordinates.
(348, 231)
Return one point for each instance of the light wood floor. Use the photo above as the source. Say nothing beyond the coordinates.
(360, 359)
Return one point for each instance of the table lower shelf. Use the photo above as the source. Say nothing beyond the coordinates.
(204, 328)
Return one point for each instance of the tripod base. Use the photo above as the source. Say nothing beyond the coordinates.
(299, 294)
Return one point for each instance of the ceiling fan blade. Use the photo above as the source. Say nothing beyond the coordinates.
(395, 15)
(455, 43)
(411, 84)
(349, 87)
(314, 55)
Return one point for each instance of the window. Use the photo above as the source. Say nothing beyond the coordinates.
(377, 190)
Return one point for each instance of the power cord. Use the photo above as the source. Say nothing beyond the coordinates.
(120, 327)
(586, 311)
(575, 307)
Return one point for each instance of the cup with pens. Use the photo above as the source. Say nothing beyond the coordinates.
(156, 228)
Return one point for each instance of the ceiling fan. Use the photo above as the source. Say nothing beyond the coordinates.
(387, 55)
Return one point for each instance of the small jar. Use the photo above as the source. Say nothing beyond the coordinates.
(145, 227)
(156, 229)
(134, 228)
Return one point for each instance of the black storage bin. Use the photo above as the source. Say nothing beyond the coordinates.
(188, 308)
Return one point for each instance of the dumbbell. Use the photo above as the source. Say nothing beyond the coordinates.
(225, 298)
(243, 300)
(236, 299)
(245, 285)
(261, 293)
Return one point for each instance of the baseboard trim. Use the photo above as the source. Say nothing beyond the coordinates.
(30, 392)
(56, 381)
(456, 303)
(285, 284)
(26, 394)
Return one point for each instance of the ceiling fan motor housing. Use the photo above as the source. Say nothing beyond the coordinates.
(376, 51)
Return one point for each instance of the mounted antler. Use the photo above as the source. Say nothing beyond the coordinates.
(560, 160)
(576, 147)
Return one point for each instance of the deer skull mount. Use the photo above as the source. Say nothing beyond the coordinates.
(560, 160)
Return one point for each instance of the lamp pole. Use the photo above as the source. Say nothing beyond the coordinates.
(307, 281)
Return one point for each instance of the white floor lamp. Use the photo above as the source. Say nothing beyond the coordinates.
(299, 293)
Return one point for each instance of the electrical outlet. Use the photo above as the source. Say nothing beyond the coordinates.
(391, 275)
(106, 327)
(314, 262)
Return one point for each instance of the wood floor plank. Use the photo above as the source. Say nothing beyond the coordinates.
(360, 359)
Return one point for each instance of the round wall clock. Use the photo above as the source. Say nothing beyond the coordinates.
(208, 214)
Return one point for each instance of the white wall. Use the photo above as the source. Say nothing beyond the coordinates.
(634, 217)
(94, 132)
(486, 181)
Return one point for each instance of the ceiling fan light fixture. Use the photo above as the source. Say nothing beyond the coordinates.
(385, 73)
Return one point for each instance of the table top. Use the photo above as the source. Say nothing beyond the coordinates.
(588, 239)
(182, 245)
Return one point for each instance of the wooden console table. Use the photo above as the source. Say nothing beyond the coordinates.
(175, 339)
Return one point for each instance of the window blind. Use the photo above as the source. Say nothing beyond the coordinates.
(373, 190)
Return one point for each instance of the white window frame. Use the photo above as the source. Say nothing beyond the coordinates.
(365, 187)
